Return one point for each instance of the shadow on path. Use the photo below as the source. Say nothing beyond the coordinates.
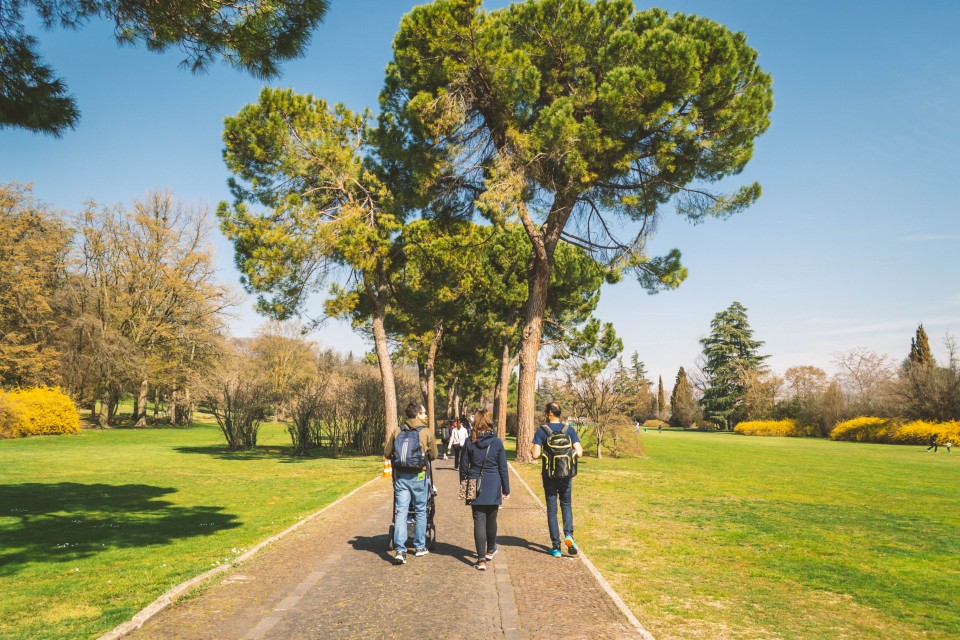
(513, 541)
(65, 521)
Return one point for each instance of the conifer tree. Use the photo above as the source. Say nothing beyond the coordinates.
(683, 407)
(661, 399)
(920, 353)
(730, 351)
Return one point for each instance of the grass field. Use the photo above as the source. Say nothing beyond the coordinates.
(96, 526)
(722, 536)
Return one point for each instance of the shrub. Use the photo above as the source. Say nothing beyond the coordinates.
(865, 429)
(776, 428)
(37, 411)
(919, 432)
(653, 424)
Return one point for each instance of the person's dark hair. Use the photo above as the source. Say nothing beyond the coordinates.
(553, 409)
(481, 424)
(413, 409)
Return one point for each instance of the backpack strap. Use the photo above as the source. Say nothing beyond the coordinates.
(566, 428)
(546, 428)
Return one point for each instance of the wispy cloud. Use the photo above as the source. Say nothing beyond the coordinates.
(894, 325)
(930, 237)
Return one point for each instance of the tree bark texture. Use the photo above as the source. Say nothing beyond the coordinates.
(386, 369)
(140, 409)
(502, 390)
(544, 240)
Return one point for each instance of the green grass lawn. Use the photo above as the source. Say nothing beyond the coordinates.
(724, 536)
(96, 526)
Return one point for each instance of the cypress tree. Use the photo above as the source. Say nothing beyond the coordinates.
(682, 405)
(661, 400)
(920, 353)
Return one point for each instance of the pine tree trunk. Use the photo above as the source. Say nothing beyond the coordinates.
(386, 365)
(431, 379)
(537, 283)
(501, 392)
(451, 388)
(544, 240)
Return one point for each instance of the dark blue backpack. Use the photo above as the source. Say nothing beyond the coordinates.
(407, 452)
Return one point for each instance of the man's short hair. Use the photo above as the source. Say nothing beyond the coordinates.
(413, 409)
(553, 409)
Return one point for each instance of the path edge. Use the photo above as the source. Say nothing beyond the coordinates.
(171, 596)
(610, 591)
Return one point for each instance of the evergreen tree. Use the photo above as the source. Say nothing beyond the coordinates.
(683, 407)
(730, 351)
(661, 399)
(253, 36)
(920, 353)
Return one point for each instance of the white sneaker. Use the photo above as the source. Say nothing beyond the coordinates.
(400, 558)
(420, 553)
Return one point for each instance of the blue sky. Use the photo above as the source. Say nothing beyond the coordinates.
(853, 243)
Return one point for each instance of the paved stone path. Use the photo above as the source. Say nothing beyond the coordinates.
(333, 578)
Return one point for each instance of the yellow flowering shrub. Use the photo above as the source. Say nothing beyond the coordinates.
(864, 429)
(919, 432)
(11, 417)
(778, 428)
(37, 411)
(653, 424)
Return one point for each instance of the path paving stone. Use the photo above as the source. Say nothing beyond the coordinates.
(333, 578)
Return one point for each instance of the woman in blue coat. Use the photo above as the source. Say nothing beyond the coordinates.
(484, 458)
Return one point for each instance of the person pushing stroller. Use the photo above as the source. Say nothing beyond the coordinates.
(409, 449)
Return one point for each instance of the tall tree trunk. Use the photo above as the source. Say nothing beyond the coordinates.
(502, 390)
(422, 380)
(383, 354)
(140, 407)
(431, 375)
(451, 390)
(156, 403)
(544, 240)
(537, 282)
(457, 402)
(172, 406)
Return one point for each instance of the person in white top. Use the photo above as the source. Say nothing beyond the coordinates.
(458, 436)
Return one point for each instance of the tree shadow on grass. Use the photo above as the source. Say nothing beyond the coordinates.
(267, 452)
(66, 521)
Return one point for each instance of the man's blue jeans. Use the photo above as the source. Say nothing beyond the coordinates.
(561, 488)
(407, 489)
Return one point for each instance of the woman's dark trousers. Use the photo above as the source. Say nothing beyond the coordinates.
(485, 528)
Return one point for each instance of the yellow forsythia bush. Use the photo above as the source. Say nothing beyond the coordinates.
(780, 428)
(37, 411)
(919, 432)
(865, 429)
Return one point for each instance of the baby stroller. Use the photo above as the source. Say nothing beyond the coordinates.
(431, 510)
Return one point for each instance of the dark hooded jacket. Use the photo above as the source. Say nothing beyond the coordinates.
(488, 454)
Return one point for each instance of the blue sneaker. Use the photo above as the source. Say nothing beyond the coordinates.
(556, 553)
(571, 545)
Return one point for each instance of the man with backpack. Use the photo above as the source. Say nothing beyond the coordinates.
(409, 449)
(560, 446)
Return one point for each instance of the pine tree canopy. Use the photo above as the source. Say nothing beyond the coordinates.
(253, 35)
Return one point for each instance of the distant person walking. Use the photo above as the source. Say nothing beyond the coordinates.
(458, 437)
(933, 444)
(410, 448)
(948, 445)
(485, 460)
(560, 446)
